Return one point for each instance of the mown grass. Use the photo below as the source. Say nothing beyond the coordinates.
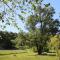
(23, 55)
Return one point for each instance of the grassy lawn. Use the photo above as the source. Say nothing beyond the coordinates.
(23, 55)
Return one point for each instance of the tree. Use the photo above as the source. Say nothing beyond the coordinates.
(6, 40)
(54, 44)
(48, 25)
(22, 40)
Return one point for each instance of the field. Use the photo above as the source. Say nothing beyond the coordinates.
(24, 55)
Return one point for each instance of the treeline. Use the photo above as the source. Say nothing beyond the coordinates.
(38, 43)
(6, 39)
(23, 40)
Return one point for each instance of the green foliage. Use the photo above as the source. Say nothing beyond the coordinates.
(33, 6)
(23, 12)
(47, 5)
(54, 42)
(21, 40)
(6, 1)
(5, 40)
(31, 22)
(1, 16)
(36, 1)
(21, 17)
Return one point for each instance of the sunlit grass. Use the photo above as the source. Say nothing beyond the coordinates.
(24, 55)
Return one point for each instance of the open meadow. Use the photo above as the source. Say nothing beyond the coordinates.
(24, 55)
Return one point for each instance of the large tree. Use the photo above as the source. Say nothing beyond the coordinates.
(43, 16)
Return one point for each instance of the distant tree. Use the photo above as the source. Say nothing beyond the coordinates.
(5, 40)
(21, 40)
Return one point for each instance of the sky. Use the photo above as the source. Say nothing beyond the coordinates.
(54, 3)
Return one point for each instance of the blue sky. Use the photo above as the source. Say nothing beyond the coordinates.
(54, 3)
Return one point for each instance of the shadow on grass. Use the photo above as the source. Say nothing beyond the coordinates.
(12, 53)
(44, 54)
(49, 54)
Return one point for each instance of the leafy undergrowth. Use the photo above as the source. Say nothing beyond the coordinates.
(24, 55)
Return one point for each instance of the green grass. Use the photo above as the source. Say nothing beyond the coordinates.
(23, 55)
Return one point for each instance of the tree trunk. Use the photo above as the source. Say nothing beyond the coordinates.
(39, 49)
